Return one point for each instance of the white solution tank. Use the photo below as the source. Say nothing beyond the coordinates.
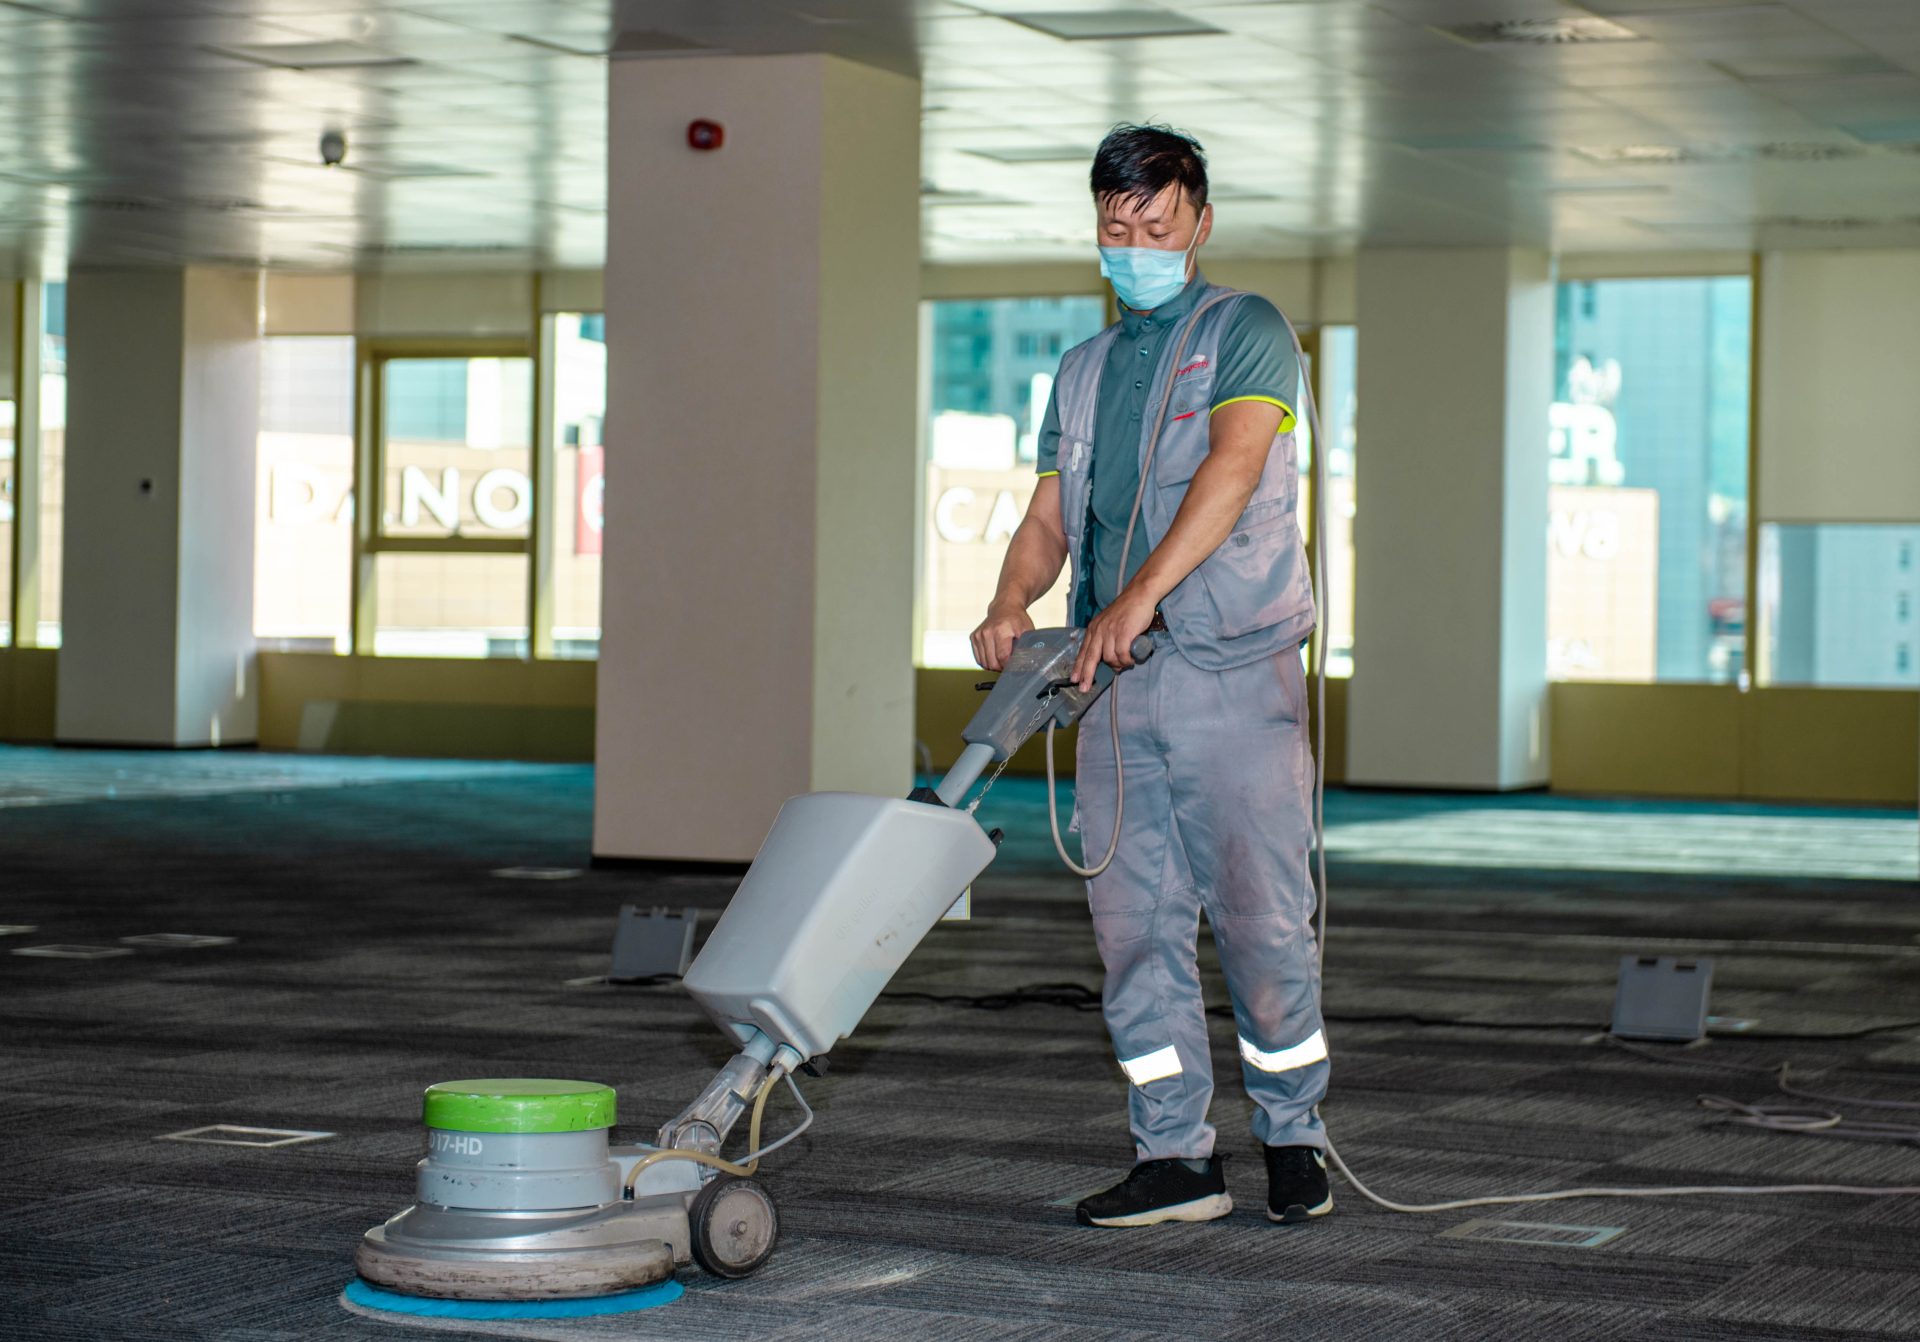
(842, 890)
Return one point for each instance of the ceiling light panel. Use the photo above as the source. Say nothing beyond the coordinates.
(321, 55)
(1108, 25)
(1555, 31)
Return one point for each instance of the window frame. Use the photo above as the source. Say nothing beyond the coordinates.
(371, 358)
(1597, 270)
(23, 578)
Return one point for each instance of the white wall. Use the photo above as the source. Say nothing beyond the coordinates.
(119, 593)
(1839, 347)
(761, 432)
(1450, 551)
(214, 699)
(9, 329)
(157, 581)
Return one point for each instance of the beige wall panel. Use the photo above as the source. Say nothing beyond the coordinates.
(1646, 740)
(121, 547)
(163, 385)
(868, 455)
(29, 679)
(309, 305)
(707, 613)
(572, 291)
(1450, 634)
(9, 329)
(1339, 291)
(1832, 745)
(1523, 748)
(215, 701)
(497, 708)
(484, 304)
(1288, 285)
(1839, 335)
(742, 402)
(1650, 265)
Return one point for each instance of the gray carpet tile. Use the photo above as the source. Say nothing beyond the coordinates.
(376, 952)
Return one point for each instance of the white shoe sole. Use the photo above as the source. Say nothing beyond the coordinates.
(1209, 1208)
(1282, 1218)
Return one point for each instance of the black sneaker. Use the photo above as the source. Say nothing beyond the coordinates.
(1297, 1188)
(1160, 1190)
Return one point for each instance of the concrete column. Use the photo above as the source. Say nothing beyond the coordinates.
(163, 409)
(761, 299)
(1455, 377)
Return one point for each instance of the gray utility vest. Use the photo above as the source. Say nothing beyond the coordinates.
(1252, 597)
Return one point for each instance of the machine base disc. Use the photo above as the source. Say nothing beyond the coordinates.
(527, 1272)
(362, 1297)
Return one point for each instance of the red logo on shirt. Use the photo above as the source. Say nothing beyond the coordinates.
(1200, 362)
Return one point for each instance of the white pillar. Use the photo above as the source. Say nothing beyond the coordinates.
(163, 410)
(1450, 639)
(761, 301)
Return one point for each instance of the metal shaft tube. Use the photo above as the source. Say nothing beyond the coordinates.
(965, 773)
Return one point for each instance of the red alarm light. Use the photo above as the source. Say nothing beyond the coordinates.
(705, 134)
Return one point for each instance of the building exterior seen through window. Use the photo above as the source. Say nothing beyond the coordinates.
(1837, 605)
(53, 456)
(991, 371)
(456, 455)
(579, 362)
(1336, 386)
(1646, 538)
(992, 366)
(303, 487)
(9, 446)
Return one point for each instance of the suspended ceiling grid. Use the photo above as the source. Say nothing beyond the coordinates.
(166, 131)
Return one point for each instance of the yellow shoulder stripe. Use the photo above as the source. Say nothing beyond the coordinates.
(1044, 474)
(1286, 411)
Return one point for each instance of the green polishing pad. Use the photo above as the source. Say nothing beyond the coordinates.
(518, 1104)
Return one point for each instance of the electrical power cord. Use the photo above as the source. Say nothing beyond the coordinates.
(1113, 686)
(1776, 1121)
(747, 1164)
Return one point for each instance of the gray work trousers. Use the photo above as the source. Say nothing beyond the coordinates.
(1219, 788)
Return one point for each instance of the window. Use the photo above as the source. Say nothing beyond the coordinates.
(463, 555)
(1646, 538)
(992, 367)
(1836, 604)
(454, 453)
(578, 360)
(53, 458)
(303, 516)
(1336, 390)
(9, 436)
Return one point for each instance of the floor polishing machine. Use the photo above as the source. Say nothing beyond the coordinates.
(520, 1195)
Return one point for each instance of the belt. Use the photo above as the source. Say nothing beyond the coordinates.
(1158, 624)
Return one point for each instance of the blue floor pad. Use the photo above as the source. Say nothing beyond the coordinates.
(366, 1296)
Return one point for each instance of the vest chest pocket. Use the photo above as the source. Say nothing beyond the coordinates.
(1183, 434)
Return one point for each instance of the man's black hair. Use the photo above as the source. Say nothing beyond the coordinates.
(1137, 163)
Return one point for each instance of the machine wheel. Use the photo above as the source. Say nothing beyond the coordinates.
(734, 1226)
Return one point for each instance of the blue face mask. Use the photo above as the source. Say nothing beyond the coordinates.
(1146, 277)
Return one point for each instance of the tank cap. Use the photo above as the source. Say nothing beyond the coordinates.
(518, 1104)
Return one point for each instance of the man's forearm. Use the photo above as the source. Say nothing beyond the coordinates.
(1035, 556)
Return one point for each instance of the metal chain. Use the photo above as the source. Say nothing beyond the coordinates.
(1046, 707)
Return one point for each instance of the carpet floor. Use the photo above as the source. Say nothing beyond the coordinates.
(384, 925)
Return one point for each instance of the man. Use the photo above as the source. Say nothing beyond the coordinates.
(1213, 726)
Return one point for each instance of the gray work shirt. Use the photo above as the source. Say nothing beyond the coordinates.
(1256, 363)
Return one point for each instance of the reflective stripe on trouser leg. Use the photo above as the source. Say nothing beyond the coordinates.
(1146, 920)
(1155, 1066)
(1308, 1051)
(1240, 778)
